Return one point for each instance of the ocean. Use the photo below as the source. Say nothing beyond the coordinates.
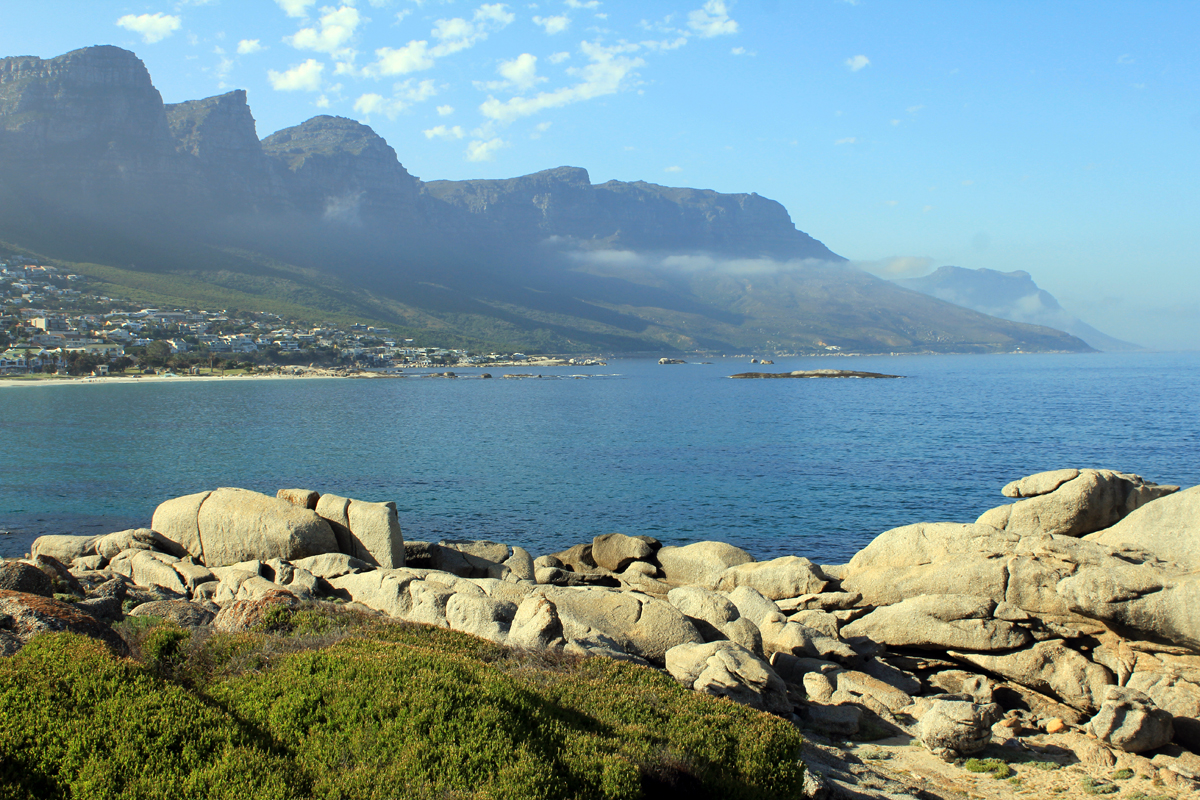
(779, 467)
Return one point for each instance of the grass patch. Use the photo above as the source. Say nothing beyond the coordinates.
(351, 706)
(991, 766)
(1092, 786)
(1123, 774)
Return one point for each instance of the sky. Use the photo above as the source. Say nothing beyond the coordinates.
(1060, 138)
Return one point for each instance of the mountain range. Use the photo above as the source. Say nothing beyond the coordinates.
(184, 203)
(1013, 296)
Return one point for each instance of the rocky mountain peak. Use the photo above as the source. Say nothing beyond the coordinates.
(215, 126)
(341, 167)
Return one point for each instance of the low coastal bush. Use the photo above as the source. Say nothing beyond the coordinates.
(351, 707)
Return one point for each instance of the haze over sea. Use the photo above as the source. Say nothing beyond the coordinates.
(806, 467)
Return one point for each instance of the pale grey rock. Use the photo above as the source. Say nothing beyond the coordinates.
(643, 569)
(825, 601)
(956, 681)
(1091, 501)
(178, 519)
(303, 584)
(616, 551)
(492, 552)
(536, 625)
(429, 601)
(1039, 484)
(63, 548)
(332, 565)
(819, 687)
(821, 621)
(642, 625)
(939, 622)
(111, 545)
(1129, 721)
(254, 588)
(232, 525)
(793, 668)
(726, 669)
(151, 570)
(577, 559)
(716, 617)
(1169, 528)
(896, 678)
(1157, 602)
(277, 571)
(88, 564)
(384, 590)
(192, 575)
(957, 726)
(521, 563)
(931, 558)
(752, 605)
(485, 617)
(1177, 694)
(548, 562)
(181, 612)
(699, 564)
(375, 533)
(781, 636)
(789, 576)
(852, 686)
(305, 498)
(1051, 668)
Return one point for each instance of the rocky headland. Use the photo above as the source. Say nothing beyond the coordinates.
(1056, 637)
(814, 373)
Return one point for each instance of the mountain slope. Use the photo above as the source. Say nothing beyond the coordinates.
(94, 168)
(1012, 296)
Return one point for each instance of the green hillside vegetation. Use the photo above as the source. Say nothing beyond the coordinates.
(333, 704)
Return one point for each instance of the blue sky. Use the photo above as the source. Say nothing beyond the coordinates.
(1061, 138)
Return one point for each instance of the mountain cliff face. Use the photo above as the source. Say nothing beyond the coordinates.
(217, 134)
(1012, 296)
(95, 168)
(88, 122)
(564, 203)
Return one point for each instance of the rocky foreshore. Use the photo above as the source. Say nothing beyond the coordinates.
(1061, 627)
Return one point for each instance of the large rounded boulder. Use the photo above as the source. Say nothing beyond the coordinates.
(228, 526)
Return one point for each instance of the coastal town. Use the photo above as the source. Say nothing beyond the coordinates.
(52, 324)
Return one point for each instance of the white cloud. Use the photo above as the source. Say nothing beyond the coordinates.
(248, 47)
(558, 58)
(296, 8)
(337, 27)
(896, 266)
(891, 203)
(895, 122)
(304, 77)
(608, 71)
(404, 94)
(1125, 59)
(847, 140)
(857, 62)
(369, 104)
(479, 150)
(453, 35)
(738, 51)
(927, 209)
(914, 109)
(553, 25)
(521, 71)
(442, 132)
(968, 183)
(673, 169)
(583, 3)
(413, 57)
(712, 20)
(151, 27)
(445, 111)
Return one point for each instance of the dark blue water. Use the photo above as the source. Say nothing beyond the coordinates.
(807, 467)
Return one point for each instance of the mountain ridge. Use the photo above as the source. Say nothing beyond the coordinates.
(95, 167)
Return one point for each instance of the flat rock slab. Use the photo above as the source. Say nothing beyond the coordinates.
(815, 373)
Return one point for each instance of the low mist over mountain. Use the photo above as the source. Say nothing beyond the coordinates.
(182, 199)
(1013, 296)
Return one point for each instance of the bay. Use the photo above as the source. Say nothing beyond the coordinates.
(806, 467)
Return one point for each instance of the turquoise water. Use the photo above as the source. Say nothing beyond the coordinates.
(807, 467)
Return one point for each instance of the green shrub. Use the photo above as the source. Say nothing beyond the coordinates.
(1092, 786)
(1123, 774)
(411, 711)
